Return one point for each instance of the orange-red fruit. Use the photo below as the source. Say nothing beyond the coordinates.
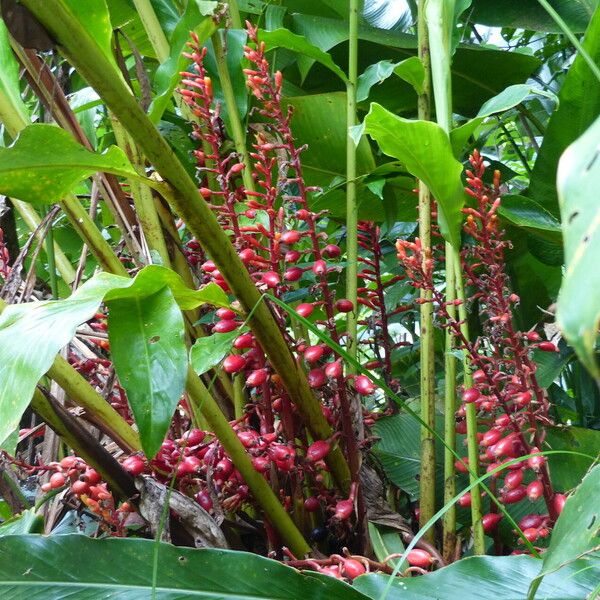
(318, 450)
(234, 363)
(225, 326)
(313, 353)
(419, 558)
(80, 487)
(304, 309)
(343, 509)
(513, 479)
(134, 465)
(364, 386)
(531, 534)
(490, 521)
(462, 465)
(57, 480)
(535, 490)
(256, 378)
(343, 305)
(471, 395)
(547, 347)
(290, 237)
(559, 502)
(225, 313)
(331, 251)
(353, 568)
(246, 340)
(316, 378)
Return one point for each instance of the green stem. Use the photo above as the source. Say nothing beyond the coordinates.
(471, 410)
(234, 14)
(153, 29)
(51, 261)
(449, 523)
(351, 202)
(427, 357)
(91, 62)
(262, 492)
(237, 130)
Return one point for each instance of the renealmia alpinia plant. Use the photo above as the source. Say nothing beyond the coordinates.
(250, 359)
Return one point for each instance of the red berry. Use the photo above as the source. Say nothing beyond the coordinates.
(502, 421)
(225, 326)
(291, 256)
(209, 266)
(505, 447)
(479, 376)
(531, 521)
(193, 437)
(80, 487)
(204, 500)
(305, 309)
(92, 476)
(225, 313)
(331, 251)
(318, 450)
(535, 462)
(302, 214)
(261, 463)
(313, 354)
(188, 466)
(462, 465)
(312, 504)
(465, 500)
(234, 363)
(247, 255)
(293, 274)
(559, 502)
(319, 267)
(535, 490)
(491, 437)
(490, 521)
(547, 347)
(224, 468)
(134, 465)
(515, 495)
(513, 479)
(290, 237)
(419, 558)
(248, 438)
(334, 369)
(68, 462)
(531, 534)
(271, 279)
(343, 509)
(364, 386)
(246, 340)
(316, 378)
(471, 395)
(344, 306)
(256, 378)
(522, 400)
(57, 480)
(353, 568)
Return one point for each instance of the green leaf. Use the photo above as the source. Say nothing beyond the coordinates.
(424, 148)
(283, 38)
(31, 334)
(45, 163)
(385, 541)
(550, 365)
(148, 349)
(113, 567)
(167, 75)
(579, 107)
(578, 308)
(10, 96)
(410, 70)
(478, 577)
(529, 14)
(209, 351)
(27, 522)
(527, 213)
(577, 530)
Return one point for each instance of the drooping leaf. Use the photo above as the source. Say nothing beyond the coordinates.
(45, 162)
(10, 97)
(283, 38)
(579, 107)
(122, 567)
(474, 578)
(577, 530)
(31, 334)
(424, 148)
(148, 349)
(578, 307)
(410, 70)
(167, 74)
(207, 352)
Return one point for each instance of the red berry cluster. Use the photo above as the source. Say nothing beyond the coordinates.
(510, 403)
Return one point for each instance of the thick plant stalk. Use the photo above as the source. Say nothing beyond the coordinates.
(156, 35)
(351, 203)
(262, 492)
(427, 481)
(86, 55)
(440, 17)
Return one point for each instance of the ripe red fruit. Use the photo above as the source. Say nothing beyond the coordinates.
(344, 306)
(513, 479)
(248, 438)
(261, 463)
(193, 437)
(80, 487)
(271, 279)
(225, 313)
(312, 504)
(531, 534)
(343, 509)
(204, 500)
(290, 237)
(502, 421)
(535, 490)
(224, 468)
(208, 266)
(465, 500)
(491, 437)
(246, 340)
(479, 376)
(291, 256)
(471, 395)
(68, 462)
(505, 447)
(523, 399)
(559, 502)
(364, 386)
(515, 495)
(531, 521)
(316, 378)
(256, 378)
(334, 369)
(313, 353)
(134, 465)
(331, 251)
(188, 466)
(305, 309)
(57, 480)
(319, 267)
(419, 558)
(92, 476)
(293, 274)
(462, 465)
(490, 521)
(246, 255)
(225, 326)
(353, 568)
(318, 450)
(547, 347)
(234, 363)
(535, 462)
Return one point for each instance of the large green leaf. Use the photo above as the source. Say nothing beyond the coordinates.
(27, 522)
(577, 530)
(148, 349)
(122, 568)
(530, 14)
(45, 162)
(31, 334)
(410, 69)
(10, 97)
(527, 213)
(578, 308)
(579, 107)
(424, 148)
(476, 578)
(207, 352)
